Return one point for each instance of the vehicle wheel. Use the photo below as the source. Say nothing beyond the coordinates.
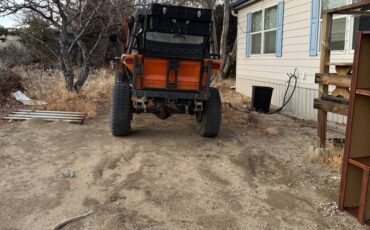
(121, 110)
(122, 77)
(210, 122)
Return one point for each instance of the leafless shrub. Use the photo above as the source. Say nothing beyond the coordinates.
(14, 55)
(96, 93)
(9, 82)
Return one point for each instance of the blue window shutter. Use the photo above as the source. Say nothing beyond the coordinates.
(248, 35)
(279, 32)
(315, 20)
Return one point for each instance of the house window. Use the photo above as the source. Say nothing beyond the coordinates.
(360, 23)
(338, 32)
(270, 30)
(344, 27)
(263, 34)
(256, 32)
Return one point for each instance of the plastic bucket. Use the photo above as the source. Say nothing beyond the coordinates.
(261, 98)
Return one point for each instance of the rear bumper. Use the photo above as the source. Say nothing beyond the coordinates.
(170, 95)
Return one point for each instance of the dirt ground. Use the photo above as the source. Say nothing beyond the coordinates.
(165, 176)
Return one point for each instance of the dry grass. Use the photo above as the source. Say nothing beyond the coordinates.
(231, 96)
(331, 156)
(233, 104)
(334, 157)
(95, 93)
(235, 112)
(98, 89)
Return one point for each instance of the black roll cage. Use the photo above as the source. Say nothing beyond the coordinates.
(138, 26)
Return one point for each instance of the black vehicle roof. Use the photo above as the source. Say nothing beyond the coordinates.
(143, 11)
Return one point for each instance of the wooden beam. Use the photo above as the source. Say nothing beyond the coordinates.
(364, 92)
(324, 68)
(363, 196)
(46, 111)
(325, 43)
(361, 162)
(351, 12)
(73, 117)
(340, 63)
(49, 114)
(333, 79)
(338, 100)
(329, 106)
(353, 6)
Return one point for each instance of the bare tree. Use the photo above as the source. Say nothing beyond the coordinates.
(69, 17)
(228, 43)
(223, 43)
(229, 60)
(84, 16)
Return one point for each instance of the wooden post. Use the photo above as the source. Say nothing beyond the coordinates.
(363, 196)
(324, 68)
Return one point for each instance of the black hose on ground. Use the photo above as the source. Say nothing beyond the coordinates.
(285, 102)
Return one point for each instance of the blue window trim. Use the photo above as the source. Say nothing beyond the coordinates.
(279, 31)
(248, 35)
(314, 31)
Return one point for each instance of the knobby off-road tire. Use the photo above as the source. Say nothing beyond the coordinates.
(121, 110)
(122, 77)
(210, 122)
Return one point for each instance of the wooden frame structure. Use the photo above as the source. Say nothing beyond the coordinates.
(354, 196)
(324, 78)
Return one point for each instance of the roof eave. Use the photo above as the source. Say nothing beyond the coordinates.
(242, 3)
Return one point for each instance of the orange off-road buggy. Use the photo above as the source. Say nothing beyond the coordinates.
(167, 68)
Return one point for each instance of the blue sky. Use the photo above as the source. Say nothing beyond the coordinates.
(8, 21)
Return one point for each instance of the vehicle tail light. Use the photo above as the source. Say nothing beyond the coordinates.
(216, 65)
(129, 60)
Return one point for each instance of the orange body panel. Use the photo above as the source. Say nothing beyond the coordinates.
(155, 73)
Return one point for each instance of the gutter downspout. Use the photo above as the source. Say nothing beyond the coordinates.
(233, 13)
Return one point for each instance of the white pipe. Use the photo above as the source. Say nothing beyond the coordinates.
(233, 13)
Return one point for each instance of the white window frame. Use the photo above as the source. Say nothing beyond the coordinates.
(338, 52)
(351, 50)
(262, 31)
(259, 32)
(348, 37)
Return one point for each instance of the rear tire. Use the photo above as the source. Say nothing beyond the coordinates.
(122, 77)
(210, 120)
(121, 110)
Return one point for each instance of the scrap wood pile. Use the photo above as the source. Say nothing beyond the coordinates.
(71, 117)
(11, 97)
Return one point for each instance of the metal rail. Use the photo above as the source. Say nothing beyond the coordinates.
(71, 117)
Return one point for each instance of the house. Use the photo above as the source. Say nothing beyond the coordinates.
(6, 41)
(277, 36)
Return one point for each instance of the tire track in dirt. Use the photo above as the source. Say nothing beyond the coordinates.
(164, 176)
